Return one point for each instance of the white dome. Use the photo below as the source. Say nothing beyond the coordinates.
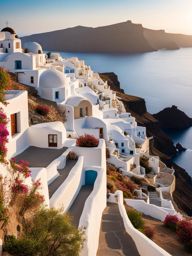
(52, 79)
(33, 47)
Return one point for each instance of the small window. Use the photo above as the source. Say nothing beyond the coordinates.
(122, 144)
(116, 144)
(123, 151)
(18, 64)
(1, 45)
(56, 95)
(131, 152)
(9, 45)
(32, 80)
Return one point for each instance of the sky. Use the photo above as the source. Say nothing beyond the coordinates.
(35, 16)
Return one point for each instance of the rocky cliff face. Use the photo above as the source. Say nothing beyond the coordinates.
(173, 118)
(161, 145)
(125, 37)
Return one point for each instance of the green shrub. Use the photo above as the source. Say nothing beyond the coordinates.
(136, 218)
(5, 82)
(20, 247)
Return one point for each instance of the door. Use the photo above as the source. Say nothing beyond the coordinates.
(52, 140)
(90, 177)
(101, 133)
(13, 124)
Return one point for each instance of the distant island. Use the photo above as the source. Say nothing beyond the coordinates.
(125, 37)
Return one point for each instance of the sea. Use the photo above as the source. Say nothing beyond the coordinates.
(163, 78)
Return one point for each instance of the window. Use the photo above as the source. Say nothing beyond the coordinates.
(56, 95)
(14, 124)
(32, 80)
(17, 45)
(123, 151)
(116, 144)
(9, 45)
(52, 140)
(131, 152)
(18, 64)
(72, 71)
(1, 45)
(122, 144)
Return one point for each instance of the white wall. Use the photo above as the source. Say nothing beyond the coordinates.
(145, 246)
(17, 103)
(92, 156)
(91, 217)
(41, 174)
(67, 192)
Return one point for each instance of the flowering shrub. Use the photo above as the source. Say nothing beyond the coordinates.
(3, 136)
(42, 110)
(87, 141)
(20, 167)
(19, 187)
(33, 200)
(184, 230)
(171, 221)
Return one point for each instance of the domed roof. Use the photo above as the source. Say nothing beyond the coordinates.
(52, 79)
(8, 29)
(75, 100)
(33, 47)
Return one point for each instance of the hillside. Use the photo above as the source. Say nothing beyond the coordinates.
(125, 37)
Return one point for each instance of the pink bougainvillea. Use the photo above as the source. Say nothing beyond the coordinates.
(20, 167)
(3, 136)
(19, 187)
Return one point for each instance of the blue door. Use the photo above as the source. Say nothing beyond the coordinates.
(90, 177)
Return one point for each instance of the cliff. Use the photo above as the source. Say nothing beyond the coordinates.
(173, 118)
(160, 145)
(125, 37)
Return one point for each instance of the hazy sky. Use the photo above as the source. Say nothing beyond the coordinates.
(32, 16)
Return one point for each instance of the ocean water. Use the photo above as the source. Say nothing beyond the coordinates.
(163, 78)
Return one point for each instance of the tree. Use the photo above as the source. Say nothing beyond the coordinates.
(49, 232)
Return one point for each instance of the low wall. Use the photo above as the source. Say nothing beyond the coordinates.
(58, 163)
(145, 246)
(41, 174)
(67, 192)
(91, 216)
(148, 209)
(95, 156)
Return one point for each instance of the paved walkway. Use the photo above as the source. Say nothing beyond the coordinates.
(61, 178)
(77, 207)
(40, 157)
(154, 198)
(114, 241)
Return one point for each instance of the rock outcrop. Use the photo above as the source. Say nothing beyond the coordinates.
(173, 118)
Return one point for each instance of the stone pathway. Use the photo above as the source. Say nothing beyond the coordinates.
(40, 157)
(61, 178)
(154, 198)
(77, 207)
(114, 241)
